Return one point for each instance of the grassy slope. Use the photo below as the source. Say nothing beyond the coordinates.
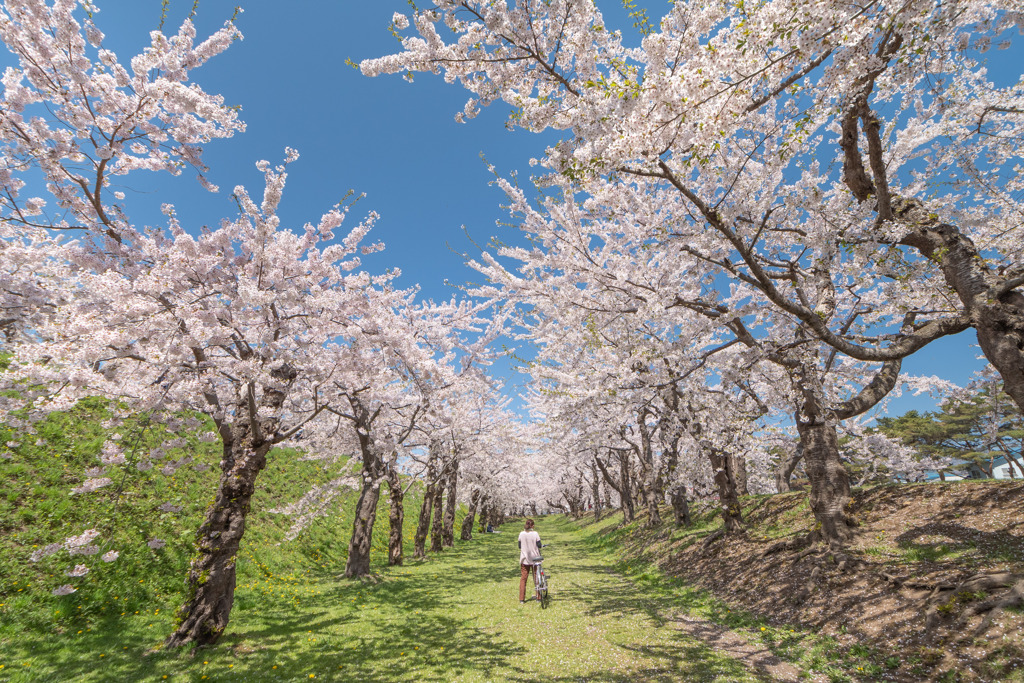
(856, 626)
(124, 608)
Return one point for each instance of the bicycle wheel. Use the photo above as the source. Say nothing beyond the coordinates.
(545, 598)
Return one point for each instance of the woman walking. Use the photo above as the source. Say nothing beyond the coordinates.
(529, 553)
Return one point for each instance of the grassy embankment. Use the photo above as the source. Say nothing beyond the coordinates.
(123, 609)
(896, 612)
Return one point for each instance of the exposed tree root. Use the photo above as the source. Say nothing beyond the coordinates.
(944, 595)
(713, 537)
(994, 605)
(792, 543)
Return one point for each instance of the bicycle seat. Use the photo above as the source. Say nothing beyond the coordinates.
(536, 560)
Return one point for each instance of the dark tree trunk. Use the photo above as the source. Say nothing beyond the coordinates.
(626, 491)
(467, 521)
(680, 506)
(374, 472)
(436, 523)
(730, 502)
(210, 584)
(362, 528)
(609, 483)
(419, 548)
(448, 523)
(787, 465)
(397, 515)
(485, 514)
(830, 482)
(573, 504)
(993, 302)
(738, 467)
(595, 490)
(210, 590)
(651, 491)
(676, 489)
(608, 495)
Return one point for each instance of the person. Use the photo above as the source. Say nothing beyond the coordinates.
(529, 553)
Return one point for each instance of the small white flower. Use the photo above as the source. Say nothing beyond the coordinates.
(66, 589)
(79, 570)
(156, 543)
(110, 556)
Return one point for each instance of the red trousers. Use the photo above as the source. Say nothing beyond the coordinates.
(526, 570)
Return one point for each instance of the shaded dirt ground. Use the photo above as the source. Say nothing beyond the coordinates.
(903, 591)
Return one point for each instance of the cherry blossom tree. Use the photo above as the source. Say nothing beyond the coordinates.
(258, 327)
(753, 138)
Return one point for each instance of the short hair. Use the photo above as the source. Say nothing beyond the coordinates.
(529, 524)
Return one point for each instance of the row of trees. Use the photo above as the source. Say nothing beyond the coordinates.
(277, 336)
(753, 216)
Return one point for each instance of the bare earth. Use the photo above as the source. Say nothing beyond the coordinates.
(928, 562)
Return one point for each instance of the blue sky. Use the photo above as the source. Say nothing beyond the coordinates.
(394, 141)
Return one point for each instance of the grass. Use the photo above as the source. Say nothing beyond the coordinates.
(451, 617)
(123, 609)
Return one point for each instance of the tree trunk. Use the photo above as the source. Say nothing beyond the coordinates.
(996, 309)
(609, 483)
(397, 515)
(651, 491)
(738, 467)
(362, 528)
(448, 523)
(210, 590)
(787, 465)
(730, 502)
(1013, 462)
(436, 540)
(419, 548)
(595, 490)
(830, 482)
(485, 514)
(625, 489)
(680, 506)
(467, 521)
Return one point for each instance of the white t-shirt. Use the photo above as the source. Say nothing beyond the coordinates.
(529, 547)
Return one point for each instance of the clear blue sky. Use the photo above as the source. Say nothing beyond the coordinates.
(397, 142)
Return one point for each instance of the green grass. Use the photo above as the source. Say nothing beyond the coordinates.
(124, 608)
(455, 616)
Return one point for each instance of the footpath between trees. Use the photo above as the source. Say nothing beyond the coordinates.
(615, 616)
(452, 617)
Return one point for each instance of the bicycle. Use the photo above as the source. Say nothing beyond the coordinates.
(541, 587)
